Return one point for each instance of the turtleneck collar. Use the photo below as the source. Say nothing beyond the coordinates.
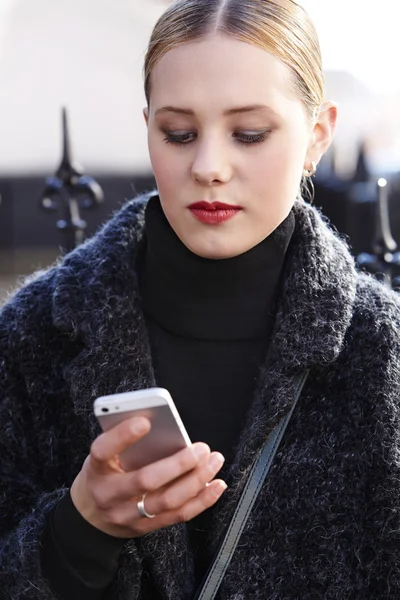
(195, 297)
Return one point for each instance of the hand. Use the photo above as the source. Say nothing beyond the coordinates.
(177, 488)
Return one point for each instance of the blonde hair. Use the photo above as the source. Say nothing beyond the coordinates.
(281, 27)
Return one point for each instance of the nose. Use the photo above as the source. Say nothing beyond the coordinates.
(211, 164)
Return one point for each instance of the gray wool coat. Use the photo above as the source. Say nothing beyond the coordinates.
(327, 521)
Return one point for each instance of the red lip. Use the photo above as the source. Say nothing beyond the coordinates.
(213, 213)
(212, 206)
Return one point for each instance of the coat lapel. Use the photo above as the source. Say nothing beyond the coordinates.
(97, 303)
(315, 310)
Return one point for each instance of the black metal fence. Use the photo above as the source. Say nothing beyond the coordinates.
(41, 213)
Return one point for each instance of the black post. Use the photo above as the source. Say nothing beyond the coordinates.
(384, 263)
(361, 173)
(70, 190)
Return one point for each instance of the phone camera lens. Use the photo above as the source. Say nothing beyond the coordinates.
(104, 410)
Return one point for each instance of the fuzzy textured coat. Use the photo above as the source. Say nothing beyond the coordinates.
(327, 521)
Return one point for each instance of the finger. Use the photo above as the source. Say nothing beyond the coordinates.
(183, 489)
(156, 475)
(112, 442)
(204, 500)
(126, 521)
(126, 486)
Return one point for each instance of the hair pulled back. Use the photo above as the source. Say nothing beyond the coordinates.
(281, 27)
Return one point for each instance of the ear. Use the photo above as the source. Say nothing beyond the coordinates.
(322, 133)
(146, 115)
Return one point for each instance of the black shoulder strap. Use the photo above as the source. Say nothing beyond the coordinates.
(249, 495)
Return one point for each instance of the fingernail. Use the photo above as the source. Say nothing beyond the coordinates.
(220, 488)
(200, 451)
(216, 462)
(140, 426)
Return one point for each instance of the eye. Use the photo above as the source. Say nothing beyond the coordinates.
(246, 137)
(178, 138)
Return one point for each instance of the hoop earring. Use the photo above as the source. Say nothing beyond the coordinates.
(310, 172)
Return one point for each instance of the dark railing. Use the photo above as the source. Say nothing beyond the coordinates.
(69, 191)
(384, 261)
(364, 209)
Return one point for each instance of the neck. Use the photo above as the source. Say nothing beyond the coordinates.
(210, 299)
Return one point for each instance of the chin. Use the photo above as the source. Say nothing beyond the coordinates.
(213, 251)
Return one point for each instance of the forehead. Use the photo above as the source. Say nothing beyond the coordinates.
(218, 71)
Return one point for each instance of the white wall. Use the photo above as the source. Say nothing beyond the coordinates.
(88, 55)
(361, 37)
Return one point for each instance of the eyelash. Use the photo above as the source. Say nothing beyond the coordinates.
(244, 139)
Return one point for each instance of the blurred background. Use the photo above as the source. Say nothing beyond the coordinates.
(87, 56)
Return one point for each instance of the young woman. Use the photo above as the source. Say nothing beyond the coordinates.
(223, 287)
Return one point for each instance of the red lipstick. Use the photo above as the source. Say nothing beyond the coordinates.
(213, 213)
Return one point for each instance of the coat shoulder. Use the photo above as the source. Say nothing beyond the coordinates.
(29, 306)
(377, 302)
(374, 332)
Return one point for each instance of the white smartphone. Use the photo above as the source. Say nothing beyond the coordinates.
(166, 436)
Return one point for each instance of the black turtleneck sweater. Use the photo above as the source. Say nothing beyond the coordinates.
(209, 324)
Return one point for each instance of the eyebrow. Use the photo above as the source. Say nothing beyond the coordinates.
(227, 113)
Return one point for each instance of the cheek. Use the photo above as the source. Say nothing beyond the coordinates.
(167, 167)
(278, 167)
